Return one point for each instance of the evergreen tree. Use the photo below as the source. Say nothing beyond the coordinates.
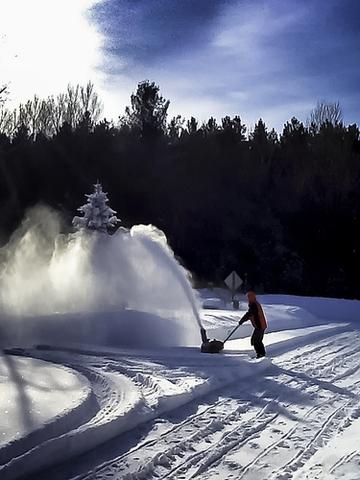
(245, 201)
(97, 214)
(175, 128)
(232, 131)
(192, 126)
(148, 110)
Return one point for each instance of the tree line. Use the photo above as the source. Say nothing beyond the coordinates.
(281, 208)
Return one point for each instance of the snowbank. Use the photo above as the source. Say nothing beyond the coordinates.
(280, 317)
(119, 408)
(330, 309)
(128, 399)
(123, 328)
(284, 340)
(283, 312)
(38, 400)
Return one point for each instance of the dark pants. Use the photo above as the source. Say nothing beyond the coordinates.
(257, 342)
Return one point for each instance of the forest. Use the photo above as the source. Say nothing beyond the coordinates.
(281, 209)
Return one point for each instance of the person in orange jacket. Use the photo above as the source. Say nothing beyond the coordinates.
(256, 315)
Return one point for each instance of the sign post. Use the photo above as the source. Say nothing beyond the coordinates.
(233, 282)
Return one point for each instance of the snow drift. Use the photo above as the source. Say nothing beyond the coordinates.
(47, 276)
(39, 399)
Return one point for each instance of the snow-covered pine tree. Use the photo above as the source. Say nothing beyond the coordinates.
(97, 214)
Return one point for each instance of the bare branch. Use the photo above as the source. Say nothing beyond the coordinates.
(325, 112)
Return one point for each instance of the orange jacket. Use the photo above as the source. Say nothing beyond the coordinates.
(256, 315)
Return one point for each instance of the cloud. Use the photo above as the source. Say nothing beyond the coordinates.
(147, 31)
(254, 58)
(270, 59)
(45, 45)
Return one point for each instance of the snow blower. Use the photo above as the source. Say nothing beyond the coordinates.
(214, 346)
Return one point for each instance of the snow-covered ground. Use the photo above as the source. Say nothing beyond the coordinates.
(37, 400)
(177, 413)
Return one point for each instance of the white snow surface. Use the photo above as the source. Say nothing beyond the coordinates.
(160, 412)
(37, 398)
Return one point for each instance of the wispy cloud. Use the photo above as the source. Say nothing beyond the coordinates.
(256, 58)
(272, 59)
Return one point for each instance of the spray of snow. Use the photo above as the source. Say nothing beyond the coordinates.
(44, 272)
(150, 241)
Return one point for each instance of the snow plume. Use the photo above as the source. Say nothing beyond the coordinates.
(92, 274)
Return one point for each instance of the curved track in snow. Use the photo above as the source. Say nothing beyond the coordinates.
(183, 415)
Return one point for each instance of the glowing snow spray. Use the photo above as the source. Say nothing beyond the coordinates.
(49, 276)
(164, 253)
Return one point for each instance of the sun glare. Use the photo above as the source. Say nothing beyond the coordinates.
(44, 45)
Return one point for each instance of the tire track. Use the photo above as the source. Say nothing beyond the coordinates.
(302, 456)
(271, 447)
(151, 443)
(176, 442)
(241, 471)
(343, 460)
(228, 442)
(322, 434)
(234, 438)
(206, 438)
(299, 359)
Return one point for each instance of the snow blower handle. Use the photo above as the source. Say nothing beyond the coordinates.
(232, 332)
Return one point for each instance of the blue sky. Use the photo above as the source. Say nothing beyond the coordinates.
(271, 59)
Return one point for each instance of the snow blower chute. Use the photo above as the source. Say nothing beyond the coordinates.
(214, 346)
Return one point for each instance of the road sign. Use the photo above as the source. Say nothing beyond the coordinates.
(233, 281)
